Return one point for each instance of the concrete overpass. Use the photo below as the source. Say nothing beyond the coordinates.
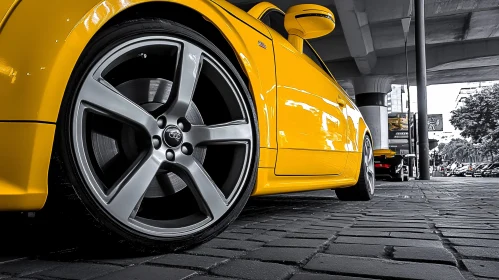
(367, 48)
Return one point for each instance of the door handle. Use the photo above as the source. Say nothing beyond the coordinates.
(341, 102)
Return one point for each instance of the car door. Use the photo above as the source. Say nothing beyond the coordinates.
(311, 113)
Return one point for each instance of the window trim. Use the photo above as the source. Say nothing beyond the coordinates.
(322, 63)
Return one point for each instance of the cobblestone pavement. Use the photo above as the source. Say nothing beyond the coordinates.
(447, 228)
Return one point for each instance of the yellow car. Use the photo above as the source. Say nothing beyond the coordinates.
(164, 117)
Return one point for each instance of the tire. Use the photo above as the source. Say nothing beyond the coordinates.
(142, 154)
(364, 189)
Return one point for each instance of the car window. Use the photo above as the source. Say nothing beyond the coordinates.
(307, 49)
(275, 20)
(310, 53)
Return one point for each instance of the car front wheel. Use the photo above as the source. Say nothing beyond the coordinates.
(158, 135)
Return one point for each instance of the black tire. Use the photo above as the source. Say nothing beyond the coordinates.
(69, 174)
(362, 191)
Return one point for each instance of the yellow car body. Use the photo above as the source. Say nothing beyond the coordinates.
(311, 133)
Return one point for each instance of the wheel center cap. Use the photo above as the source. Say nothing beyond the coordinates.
(172, 136)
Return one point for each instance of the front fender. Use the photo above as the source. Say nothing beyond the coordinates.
(41, 42)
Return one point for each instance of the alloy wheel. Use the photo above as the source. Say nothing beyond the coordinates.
(369, 165)
(162, 136)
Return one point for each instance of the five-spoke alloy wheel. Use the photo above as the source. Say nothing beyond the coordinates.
(159, 134)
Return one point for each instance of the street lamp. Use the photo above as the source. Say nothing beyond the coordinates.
(406, 24)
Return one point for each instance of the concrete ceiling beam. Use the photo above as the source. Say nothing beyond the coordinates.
(387, 10)
(439, 55)
(353, 17)
(483, 24)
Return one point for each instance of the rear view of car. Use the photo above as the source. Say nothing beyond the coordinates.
(391, 168)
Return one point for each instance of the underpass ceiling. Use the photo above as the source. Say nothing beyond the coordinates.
(448, 22)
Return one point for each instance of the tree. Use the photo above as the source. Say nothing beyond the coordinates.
(441, 147)
(458, 150)
(478, 119)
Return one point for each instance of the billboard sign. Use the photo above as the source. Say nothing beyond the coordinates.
(435, 122)
(397, 126)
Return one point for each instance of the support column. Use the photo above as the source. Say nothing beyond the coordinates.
(370, 97)
(424, 146)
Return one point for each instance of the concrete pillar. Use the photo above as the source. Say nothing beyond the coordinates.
(370, 97)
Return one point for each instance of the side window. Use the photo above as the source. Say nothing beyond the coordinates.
(275, 20)
(307, 50)
(310, 53)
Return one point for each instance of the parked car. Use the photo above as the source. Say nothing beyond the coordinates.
(159, 116)
(487, 172)
(478, 172)
(471, 171)
(494, 172)
(391, 168)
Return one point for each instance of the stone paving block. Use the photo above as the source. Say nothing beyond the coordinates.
(216, 252)
(247, 230)
(457, 231)
(366, 233)
(391, 225)
(235, 236)
(389, 241)
(400, 229)
(328, 229)
(483, 268)
(309, 230)
(478, 252)
(296, 242)
(233, 244)
(471, 235)
(358, 266)
(280, 254)
(146, 272)
(360, 250)
(78, 271)
(475, 242)
(209, 277)
(189, 261)
(413, 235)
(26, 267)
(332, 223)
(125, 261)
(435, 255)
(310, 235)
(263, 238)
(254, 270)
(310, 276)
(275, 233)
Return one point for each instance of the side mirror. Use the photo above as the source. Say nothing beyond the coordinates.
(308, 21)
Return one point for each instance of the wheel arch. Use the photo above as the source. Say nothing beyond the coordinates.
(203, 16)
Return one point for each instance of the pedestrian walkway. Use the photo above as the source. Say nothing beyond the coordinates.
(446, 228)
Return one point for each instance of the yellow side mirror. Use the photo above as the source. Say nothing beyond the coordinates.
(308, 21)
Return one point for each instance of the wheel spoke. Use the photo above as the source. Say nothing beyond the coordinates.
(186, 79)
(126, 195)
(203, 186)
(100, 95)
(236, 131)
